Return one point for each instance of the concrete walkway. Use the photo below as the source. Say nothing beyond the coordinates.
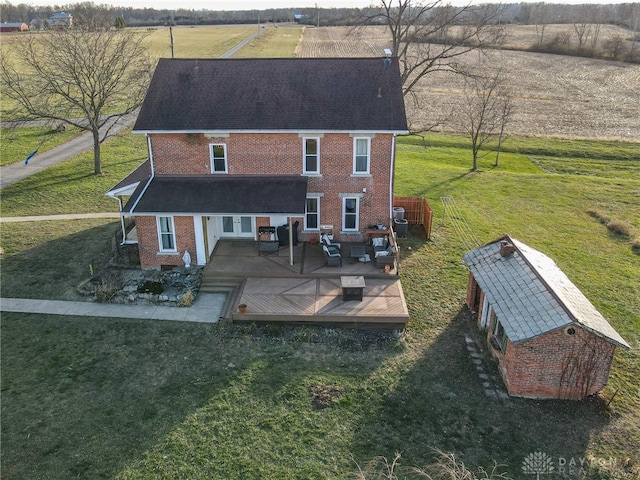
(206, 309)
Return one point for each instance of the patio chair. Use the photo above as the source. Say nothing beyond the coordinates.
(332, 256)
(328, 242)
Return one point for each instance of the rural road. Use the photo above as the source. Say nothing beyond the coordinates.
(15, 172)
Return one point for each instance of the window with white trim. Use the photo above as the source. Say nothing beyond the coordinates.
(350, 213)
(311, 160)
(312, 213)
(361, 155)
(166, 234)
(218, 154)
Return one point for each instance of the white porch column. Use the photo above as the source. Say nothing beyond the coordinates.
(201, 249)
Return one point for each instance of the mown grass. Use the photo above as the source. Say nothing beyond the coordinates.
(196, 42)
(71, 187)
(89, 398)
(272, 43)
(17, 143)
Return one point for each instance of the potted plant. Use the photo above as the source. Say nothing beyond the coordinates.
(242, 308)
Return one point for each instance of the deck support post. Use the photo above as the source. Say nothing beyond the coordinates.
(290, 241)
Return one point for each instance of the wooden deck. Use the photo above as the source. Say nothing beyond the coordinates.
(308, 291)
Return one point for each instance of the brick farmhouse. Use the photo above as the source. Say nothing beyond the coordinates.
(548, 339)
(236, 144)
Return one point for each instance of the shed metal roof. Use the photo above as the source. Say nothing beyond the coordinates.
(281, 94)
(531, 295)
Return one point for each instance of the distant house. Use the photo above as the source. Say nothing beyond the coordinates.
(13, 27)
(60, 21)
(548, 339)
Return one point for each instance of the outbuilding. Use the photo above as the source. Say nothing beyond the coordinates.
(13, 27)
(547, 337)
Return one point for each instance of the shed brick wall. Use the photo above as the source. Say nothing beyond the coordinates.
(541, 368)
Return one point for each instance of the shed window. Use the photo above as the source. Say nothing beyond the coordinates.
(499, 337)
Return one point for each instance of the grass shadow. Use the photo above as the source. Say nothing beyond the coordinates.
(94, 398)
(440, 403)
(63, 256)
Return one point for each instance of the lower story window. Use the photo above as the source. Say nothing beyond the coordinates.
(350, 206)
(312, 213)
(166, 234)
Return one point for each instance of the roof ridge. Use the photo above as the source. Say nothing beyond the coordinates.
(561, 301)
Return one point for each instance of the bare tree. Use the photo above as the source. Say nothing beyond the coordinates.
(540, 16)
(486, 110)
(432, 36)
(585, 365)
(88, 79)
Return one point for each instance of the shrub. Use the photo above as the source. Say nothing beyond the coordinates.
(108, 284)
(621, 227)
(186, 299)
(635, 246)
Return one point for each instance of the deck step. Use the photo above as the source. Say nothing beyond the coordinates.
(232, 286)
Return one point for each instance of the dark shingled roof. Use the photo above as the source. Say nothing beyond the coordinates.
(140, 174)
(220, 195)
(327, 94)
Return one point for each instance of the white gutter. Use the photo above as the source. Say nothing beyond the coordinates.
(391, 176)
(133, 207)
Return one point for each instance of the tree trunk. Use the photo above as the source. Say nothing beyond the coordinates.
(97, 169)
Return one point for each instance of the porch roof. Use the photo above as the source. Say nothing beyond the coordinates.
(220, 195)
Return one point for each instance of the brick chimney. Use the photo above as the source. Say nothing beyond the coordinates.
(506, 248)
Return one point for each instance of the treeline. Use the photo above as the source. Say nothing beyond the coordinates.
(625, 14)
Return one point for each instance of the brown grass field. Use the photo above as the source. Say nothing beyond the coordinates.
(554, 95)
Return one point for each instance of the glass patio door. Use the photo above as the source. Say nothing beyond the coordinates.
(237, 226)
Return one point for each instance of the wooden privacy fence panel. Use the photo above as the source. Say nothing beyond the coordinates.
(416, 211)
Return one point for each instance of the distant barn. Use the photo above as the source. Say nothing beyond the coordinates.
(13, 27)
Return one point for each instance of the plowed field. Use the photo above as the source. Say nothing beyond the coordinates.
(554, 95)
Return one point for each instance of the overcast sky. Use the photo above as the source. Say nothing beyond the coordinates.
(263, 4)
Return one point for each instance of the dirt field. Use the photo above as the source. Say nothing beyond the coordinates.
(559, 96)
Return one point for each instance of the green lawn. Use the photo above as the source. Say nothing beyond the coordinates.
(196, 42)
(272, 43)
(92, 398)
(17, 143)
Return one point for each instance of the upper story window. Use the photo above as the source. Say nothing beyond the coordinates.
(218, 154)
(311, 154)
(166, 234)
(361, 155)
